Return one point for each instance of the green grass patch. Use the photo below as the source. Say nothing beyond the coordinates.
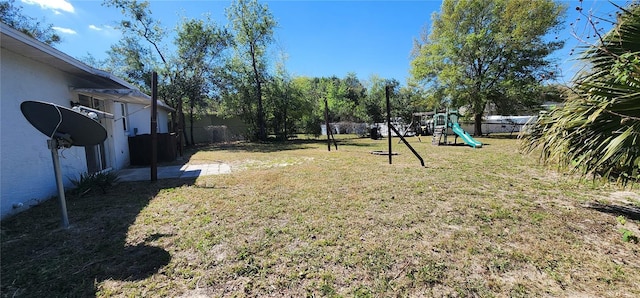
(293, 219)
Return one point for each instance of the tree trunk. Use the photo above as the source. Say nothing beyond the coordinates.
(477, 125)
(262, 131)
(181, 124)
(191, 123)
(174, 122)
(286, 132)
(184, 131)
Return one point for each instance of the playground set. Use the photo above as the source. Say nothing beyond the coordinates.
(446, 120)
(440, 125)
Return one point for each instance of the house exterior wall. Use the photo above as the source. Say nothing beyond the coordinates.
(140, 119)
(119, 135)
(163, 121)
(26, 165)
(30, 70)
(116, 153)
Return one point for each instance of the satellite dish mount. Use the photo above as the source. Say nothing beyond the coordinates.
(65, 128)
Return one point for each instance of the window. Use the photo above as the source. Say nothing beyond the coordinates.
(96, 155)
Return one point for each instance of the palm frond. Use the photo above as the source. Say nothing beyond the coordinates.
(597, 131)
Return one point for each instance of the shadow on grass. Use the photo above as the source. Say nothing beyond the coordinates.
(502, 136)
(271, 146)
(629, 212)
(357, 143)
(262, 147)
(40, 259)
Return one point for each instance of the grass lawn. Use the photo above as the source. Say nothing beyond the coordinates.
(296, 220)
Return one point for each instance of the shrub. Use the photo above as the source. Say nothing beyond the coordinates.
(90, 182)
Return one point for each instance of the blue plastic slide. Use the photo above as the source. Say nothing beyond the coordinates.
(465, 136)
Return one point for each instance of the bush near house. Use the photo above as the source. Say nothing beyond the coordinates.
(87, 183)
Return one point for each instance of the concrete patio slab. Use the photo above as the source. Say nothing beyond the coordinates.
(173, 172)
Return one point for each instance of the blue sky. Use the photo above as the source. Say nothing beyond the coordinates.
(320, 38)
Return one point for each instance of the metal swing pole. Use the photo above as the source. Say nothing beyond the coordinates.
(386, 91)
(53, 145)
(154, 126)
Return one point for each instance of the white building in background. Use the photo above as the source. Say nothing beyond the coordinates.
(31, 70)
(500, 124)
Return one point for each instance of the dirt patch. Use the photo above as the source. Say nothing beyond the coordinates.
(625, 197)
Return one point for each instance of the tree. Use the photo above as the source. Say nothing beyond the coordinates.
(285, 103)
(238, 94)
(12, 15)
(488, 51)
(312, 107)
(277, 106)
(355, 89)
(131, 60)
(136, 61)
(335, 94)
(200, 43)
(253, 26)
(597, 131)
(352, 93)
(408, 101)
(375, 104)
(140, 23)
(187, 74)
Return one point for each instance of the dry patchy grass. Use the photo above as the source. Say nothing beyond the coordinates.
(295, 220)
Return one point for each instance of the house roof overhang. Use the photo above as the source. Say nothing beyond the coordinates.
(82, 76)
(122, 95)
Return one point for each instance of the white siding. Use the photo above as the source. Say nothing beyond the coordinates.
(119, 136)
(163, 121)
(140, 119)
(26, 167)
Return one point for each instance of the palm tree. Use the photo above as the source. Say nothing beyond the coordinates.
(597, 131)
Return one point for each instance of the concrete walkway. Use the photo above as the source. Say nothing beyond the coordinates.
(169, 172)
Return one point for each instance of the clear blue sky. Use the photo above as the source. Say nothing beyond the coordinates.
(320, 38)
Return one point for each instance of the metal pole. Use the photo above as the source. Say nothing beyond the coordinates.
(408, 145)
(154, 126)
(53, 145)
(326, 121)
(386, 91)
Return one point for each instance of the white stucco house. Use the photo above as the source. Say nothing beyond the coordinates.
(31, 70)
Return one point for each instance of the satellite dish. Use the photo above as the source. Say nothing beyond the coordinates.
(51, 120)
(65, 128)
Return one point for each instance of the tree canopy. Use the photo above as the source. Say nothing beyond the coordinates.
(186, 73)
(200, 44)
(13, 16)
(482, 52)
(253, 25)
(227, 70)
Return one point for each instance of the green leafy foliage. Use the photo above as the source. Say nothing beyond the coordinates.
(628, 236)
(200, 45)
(12, 15)
(186, 77)
(480, 52)
(228, 71)
(87, 183)
(597, 131)
(253, 25)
